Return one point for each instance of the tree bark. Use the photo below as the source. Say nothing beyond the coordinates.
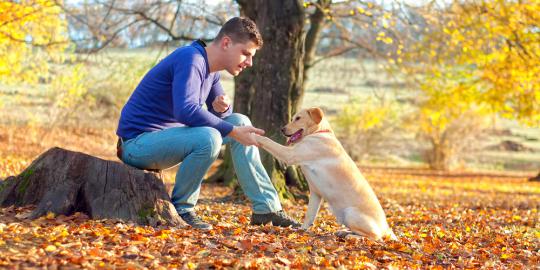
(64, 182)
(276, 77)
(316, 24)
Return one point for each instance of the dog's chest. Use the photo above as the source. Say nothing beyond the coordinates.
(319, 179)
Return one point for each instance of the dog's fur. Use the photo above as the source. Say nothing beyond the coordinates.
(331, 175)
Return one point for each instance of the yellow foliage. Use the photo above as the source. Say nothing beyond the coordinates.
(32, 33)
(497, 42)
(69, 87)
(360, 116)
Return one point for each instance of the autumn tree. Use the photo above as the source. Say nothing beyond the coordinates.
(33, 34)
(472, 59)
(101, 24)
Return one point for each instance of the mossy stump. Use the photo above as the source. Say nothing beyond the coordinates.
(64, 182)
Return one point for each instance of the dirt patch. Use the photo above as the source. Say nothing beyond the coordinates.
(510, 146)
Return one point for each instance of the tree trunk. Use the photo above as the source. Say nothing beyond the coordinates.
(64, 182)
(316, 24)
(276, 77)
(437, 157)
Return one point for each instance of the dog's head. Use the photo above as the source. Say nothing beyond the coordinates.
(303, 123)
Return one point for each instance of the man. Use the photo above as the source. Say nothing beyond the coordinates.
(164, 123)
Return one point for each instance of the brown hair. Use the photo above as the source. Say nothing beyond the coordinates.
(241, 29)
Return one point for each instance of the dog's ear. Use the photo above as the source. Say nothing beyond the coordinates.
(316, 114)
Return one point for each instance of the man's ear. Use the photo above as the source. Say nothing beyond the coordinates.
(225, 42)
(316, 114)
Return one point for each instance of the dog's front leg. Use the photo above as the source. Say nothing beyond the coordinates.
(315, 201)
(282, 153)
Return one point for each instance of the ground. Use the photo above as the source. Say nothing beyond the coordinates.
(461, 220)
(464, 221)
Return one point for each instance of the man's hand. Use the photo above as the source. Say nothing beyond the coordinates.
(221, 103)
(246, 135)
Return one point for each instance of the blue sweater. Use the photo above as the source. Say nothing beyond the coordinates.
(172, 94)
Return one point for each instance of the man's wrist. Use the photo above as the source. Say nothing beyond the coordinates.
(232, 134)
(228, 107)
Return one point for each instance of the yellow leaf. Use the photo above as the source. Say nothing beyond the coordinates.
(50, 248)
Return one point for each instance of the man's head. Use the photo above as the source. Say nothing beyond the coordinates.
(238, 39)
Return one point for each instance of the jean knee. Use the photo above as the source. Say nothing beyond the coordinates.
(238, 119)
(210, 141)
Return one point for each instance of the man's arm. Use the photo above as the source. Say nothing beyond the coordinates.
(217, 97)
(186, 85)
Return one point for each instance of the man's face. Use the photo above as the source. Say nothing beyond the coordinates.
(238, 55)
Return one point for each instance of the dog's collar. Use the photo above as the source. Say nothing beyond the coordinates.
(322, 131)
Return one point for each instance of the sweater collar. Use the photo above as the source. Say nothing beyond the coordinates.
(199, 45)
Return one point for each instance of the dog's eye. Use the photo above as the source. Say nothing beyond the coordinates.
(297, 118)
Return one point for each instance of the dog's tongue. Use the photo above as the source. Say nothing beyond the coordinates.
(295, 137)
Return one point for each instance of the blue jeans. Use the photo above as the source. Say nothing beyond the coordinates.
(197, 148)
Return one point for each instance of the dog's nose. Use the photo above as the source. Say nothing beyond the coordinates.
(283, 130)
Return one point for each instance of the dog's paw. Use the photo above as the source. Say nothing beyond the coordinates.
(257, 137)
(344, 233)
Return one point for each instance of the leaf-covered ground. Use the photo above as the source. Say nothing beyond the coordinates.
(462, 221)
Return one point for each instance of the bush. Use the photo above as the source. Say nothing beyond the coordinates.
(365, 126)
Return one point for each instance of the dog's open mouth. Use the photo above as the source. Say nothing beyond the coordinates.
(295, 137)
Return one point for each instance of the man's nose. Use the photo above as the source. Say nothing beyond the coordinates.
(249, 62)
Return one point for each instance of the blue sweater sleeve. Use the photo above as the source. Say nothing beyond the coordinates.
(215, 91)
(187, 103)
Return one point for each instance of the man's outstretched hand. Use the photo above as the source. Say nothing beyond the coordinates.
(245, 135)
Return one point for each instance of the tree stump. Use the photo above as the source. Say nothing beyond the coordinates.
(64, 182)
(536, 178)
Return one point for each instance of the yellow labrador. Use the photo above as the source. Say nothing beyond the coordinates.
(331, 174)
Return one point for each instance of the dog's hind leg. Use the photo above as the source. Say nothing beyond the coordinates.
(361, 224)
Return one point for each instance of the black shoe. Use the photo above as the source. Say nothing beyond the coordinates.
(195, 222)
(278, 218)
